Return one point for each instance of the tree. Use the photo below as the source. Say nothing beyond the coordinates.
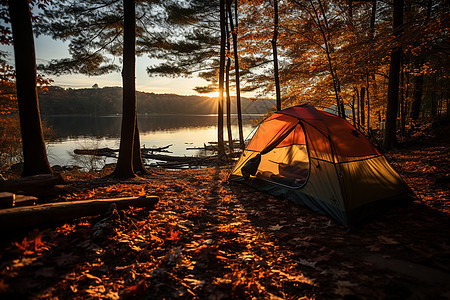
(236, 68)
(390, 137)
(196, 48)
(220, 143)
(275, 55)
(94, 28)
(34, 151)
(419, 79)
(227, 82)
(124, 166)
(361, 106)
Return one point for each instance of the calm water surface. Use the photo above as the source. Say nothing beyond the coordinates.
(86, 132)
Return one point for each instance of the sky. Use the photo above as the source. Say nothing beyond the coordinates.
(47, 49)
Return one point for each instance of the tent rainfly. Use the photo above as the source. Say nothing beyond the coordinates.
(317, 159)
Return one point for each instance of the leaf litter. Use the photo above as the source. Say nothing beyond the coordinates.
(208, 239)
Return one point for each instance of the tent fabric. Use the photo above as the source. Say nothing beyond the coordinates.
(320, 160)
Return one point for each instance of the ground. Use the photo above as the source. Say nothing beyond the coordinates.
(209, 239)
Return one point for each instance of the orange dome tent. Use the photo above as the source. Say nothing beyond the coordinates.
(320, 160)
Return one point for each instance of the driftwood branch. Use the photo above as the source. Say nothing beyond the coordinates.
(28, 216)
(108, 152)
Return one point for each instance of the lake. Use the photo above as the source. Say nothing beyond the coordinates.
(89, 132)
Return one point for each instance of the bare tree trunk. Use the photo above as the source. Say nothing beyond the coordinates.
(34, 152)
(407, 92)
(227, 87)
(363, 113)
(418, 83)
(359, 108)
(138, 163)
(390, 137)
(402, 100)
(417, 93)
(220, 143)
(236, 70)
(372, 20)
(336, 85)
(434, 99)
(368, 107)
(354, 110)
(371, 34)
(275, 55)
(124, 167)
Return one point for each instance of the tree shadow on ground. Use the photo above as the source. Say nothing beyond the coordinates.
(344, 263)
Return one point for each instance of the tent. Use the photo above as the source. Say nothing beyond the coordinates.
(317, 159)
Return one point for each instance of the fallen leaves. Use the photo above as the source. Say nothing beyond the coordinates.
(296, 278)
(344, 288)
(3, 286)
(388, 241)
(31, 244)
(307, 263)
(275, 227)
(174, 236)
(209, 239)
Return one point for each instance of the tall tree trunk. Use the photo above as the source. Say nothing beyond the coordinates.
(407, 92)
(368, 107)
(354, 110)
(372, 19)
(227, 87)
(336, 84)
(236, 69)
(418, 83)
(390, 137)
(124, 167)
(359, 108)
(434, 99)
(138, 163)
(220, 144)
(371, 62)
(34, 152)
(402, 100)
(417, 93)
(275, 55)
(361, 105)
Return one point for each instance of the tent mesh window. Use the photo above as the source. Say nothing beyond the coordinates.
(284, 159)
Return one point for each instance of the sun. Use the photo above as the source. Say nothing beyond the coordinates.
(212, 94)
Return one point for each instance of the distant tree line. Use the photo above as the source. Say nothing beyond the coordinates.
(108, 100)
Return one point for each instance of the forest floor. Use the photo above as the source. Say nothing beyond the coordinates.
(209, 239)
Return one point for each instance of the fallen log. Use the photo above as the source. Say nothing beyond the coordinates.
(23, 200)
(194, 161)
(32, 184)
(28, 216)
(157, 149)
(225, 142)
(170, 158)
(8, 200)
(205, 147)
(108, 152)
(97, 152)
